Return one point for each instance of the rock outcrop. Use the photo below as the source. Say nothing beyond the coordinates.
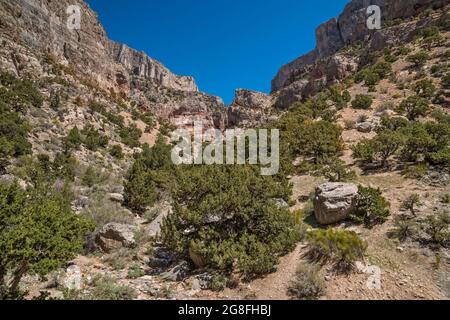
(333, 202)
(38, 28)
(141, 66)
(249, 108)
(115, 236)
(42, 26)
(329, 63)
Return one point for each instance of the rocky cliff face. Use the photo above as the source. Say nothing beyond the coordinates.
(42, 25)
(40, 28)
(141, 66)
(249, 108)
(328, 63)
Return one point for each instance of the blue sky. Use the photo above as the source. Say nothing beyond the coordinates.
(224, 44)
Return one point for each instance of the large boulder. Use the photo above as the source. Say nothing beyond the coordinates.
(116, 197)
(333, 202)
(115, 236)
(365, 127)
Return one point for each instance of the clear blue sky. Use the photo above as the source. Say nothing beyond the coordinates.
(224, 44)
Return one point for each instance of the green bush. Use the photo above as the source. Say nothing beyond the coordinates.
(438, 152)
(345, 247)
(73, 139)
(416, 171)
(381, 148)
(431, 36)
(404, 229)
(446, 81)
(13, 134)
(116, 152)
(131, 135)
(152, 169)
(307, 284)
(430, 32)
(337, 171)
(437, 228)
(44, 171)
(93, 177)
(116, 119)
(393, 123)
(418, 59)
(424, 88)
(371, 207)
(38, 234)
(63, 166)
(362, 102)
(411, 203)
(106, 288)
(418, 141)
(135, 272)
(374, 74)
(96, 107)
(388, 143)
(365, 150)
(19, 94)
(319, 140)
(227, 216)
(414, 107)
(93, 139)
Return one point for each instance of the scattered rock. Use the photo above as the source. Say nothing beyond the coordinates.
(333, 202)
(154, 228)
(281, 203)
(177, 273)
(365, 127)
(204, 280)
(114, 236)
(72, 278)
(116, 197)
(196, 285)
(9, 179)
(82, 202)
(162, 258)
(437, 179)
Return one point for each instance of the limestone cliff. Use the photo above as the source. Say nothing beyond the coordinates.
(38, 29)
(328, 63)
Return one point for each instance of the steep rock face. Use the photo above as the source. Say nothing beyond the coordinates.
(249, 108)
(315, 78)
(139, 65)
(300, 76)
(42, 26)
(36, 30)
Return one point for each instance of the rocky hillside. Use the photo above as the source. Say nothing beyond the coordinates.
(33, 30)
(328, 63)
(363, 189)
(344, 46)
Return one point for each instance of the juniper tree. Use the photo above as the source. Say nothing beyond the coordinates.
(227, 216)
(38, 234)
